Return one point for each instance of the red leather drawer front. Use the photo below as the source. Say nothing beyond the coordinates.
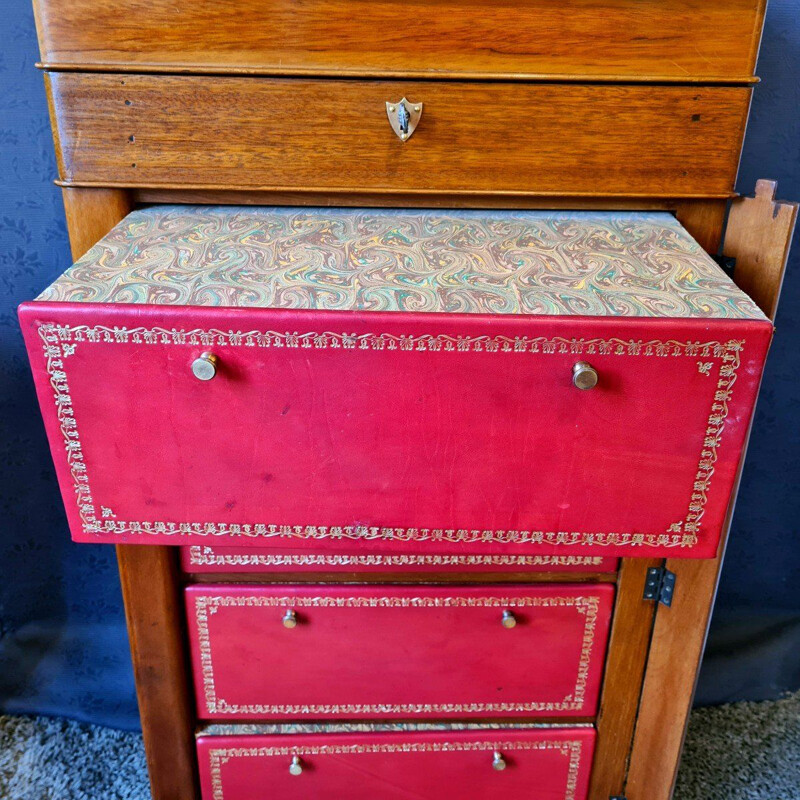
(395, 431)
(397, 651)
(543, 764)
(206, 558)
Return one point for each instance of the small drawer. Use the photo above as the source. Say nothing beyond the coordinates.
(335, 136)
(487, 764)
(659, 39)
(279, 652)
(210, 559)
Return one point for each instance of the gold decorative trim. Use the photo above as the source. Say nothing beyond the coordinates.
(569, 748)
(207, 605)
(60, 339)
(206, 556)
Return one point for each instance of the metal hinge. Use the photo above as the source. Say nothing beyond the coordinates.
(617, 797)
(660, 586)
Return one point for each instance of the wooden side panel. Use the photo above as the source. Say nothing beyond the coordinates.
(657, 39)
(327, 135)
(154, 610)
(150, 585)
(759, 235)
(631, 629)
(91, 214)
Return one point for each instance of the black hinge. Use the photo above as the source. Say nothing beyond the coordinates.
(660, 586)
(617, 797)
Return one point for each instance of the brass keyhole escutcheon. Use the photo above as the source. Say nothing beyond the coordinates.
(404, 117)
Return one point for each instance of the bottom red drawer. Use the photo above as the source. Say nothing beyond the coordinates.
(508, 763)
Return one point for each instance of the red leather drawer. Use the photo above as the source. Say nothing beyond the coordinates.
(208, 558)
(399, 432)
(397, 651)
(540, 764)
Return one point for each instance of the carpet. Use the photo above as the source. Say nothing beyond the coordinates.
(743, 751)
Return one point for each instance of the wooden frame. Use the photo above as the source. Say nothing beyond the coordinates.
(654, 652)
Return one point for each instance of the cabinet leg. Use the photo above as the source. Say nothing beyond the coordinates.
(156, 628)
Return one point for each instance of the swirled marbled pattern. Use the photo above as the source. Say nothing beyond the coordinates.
(471, 262)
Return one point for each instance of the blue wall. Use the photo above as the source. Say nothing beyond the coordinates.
(62, 638)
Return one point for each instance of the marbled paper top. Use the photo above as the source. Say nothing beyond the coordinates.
(474, 262)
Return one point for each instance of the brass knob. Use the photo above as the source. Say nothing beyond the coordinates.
(296, 767)
(290, 619)
(204, 367)
(498, 762)
(584, 376)
(508, 619)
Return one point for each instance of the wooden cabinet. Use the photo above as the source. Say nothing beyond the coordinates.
(435, 490)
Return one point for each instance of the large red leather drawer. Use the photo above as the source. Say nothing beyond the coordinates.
(405, 432)
(365, 652)
(208, 558)
(540, 764)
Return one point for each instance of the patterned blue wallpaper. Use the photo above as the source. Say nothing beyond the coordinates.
(62, 636)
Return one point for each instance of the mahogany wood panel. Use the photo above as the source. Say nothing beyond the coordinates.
(678, 40)
(679, 633)
(631, 629)
(704, 219)
(149, 581)
(327, 135)
(759, 236)
(91, 214)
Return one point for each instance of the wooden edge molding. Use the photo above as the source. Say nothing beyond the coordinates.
(759, 233)
(389, 74)
(263, 194)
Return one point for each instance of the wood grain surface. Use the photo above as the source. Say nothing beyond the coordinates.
(759, 234)
(675, 40)
(631, 628)
(317, 135)
(150, 582)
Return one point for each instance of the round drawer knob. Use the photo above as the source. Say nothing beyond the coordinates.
(296, 767)
(508, 620)
(290, 619)
(204, 367)
(584, 376)
(498, 762)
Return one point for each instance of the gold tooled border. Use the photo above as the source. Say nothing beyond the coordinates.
(206, 605)
(60, 341)
(569, 748)
(207, 556)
